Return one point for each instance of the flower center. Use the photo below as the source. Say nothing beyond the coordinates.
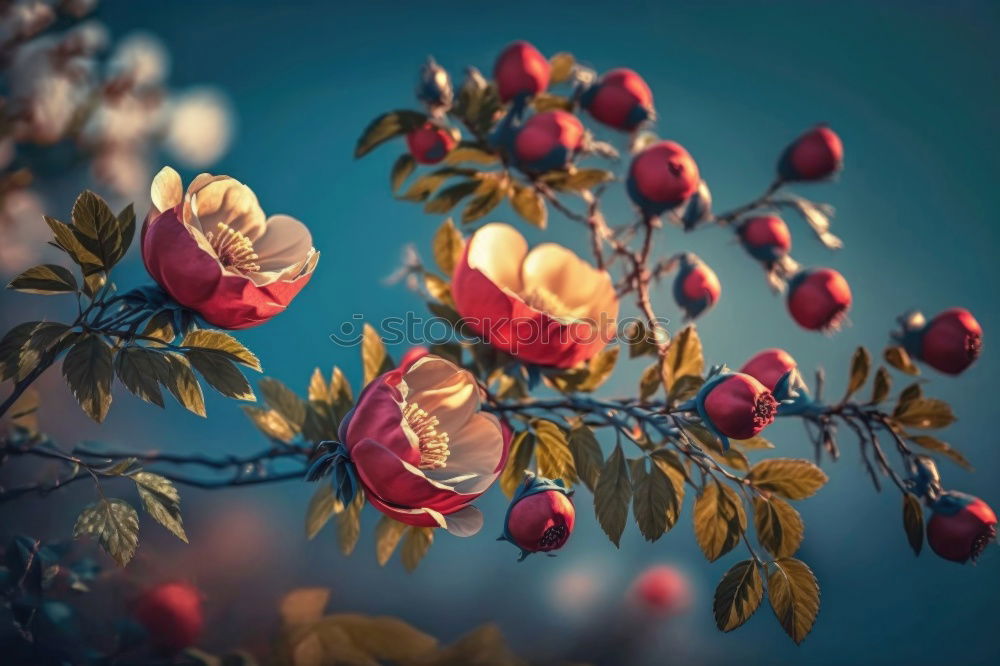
(545, 301)
(553, 538)
(764, 409)
(433, 444)
(973, 346)
(233, 248)
(981, 541)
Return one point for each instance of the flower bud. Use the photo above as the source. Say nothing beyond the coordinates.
(949, 343)
(521, 70)
(766, 238)
(816, 155)
(661, 590)
(548, 141)
(769, 366)
(620, 99)
(736, 405)
(662, 176)
(818, 299)
(540, 516)
(172, 614)
(430, 144)
(696, 287)
(961, 527)
(434, 87)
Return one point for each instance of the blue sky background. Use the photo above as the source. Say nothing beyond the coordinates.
(911, 87)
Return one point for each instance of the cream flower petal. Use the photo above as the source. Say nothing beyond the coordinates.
(464, 522)
(167, 190)
(230, 203)
(473, 460)
(497, 250)
(444, 390)
(584, 291)
(286, 242)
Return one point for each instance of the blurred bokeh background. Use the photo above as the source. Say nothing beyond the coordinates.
(911, 87)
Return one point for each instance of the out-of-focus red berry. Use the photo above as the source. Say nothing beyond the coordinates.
(739, 406)
(768, 366)
(172, 614)
(620, 99)
(521, 70)
(430, 144)
(951, 341)
(818, 299)
(548, 141)
(696, 287)
(766, 238)
(661, 590)
(662, 176)
(816, 155)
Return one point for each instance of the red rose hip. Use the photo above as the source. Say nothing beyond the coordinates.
(769, 366)
(548, 141)
(521, 70)
(621, 99)
(818, 299)
(172, 614)
(540, 517)
(737, 405)
(766, 238)
(430, 144)
(951, 341)
(961, 527)
(816, 155)
(696, 287)
(662, 176)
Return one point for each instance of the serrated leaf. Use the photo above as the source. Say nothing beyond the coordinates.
(401, 170)
(791, 478)
(388, 533)
(926, 413)
(162, 501)
(861, 364)
(719, 520)
(96, 227)
(449, 197)
(685, 387)
(271, 423)
(684, 357)
(115, 525)
(161, 327)
(488, 196)
(181, 382)
(938, 446)
(10, 347)
(448, 246)
(219, 342)
(654, 501)
(349, 523)
(416, 543)
(561, 65)
(612, 495)
(89, 262)
(522, 448)
(139, 370)
(778, 525)
(221, 374)
(552, 453)
(738, 595)
(374, 358)
(530, 205)
(882, 386)
(45, 279)
(88, 369)
(711, 444)
(385, 127)
(587, 457)
(794, 595)
(283, 400)
(126, 229)
(898, 358)
(323, 506)
(46, 336)
(913, 521)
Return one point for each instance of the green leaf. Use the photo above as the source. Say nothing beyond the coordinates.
(685, 387)
(794, 595)
(349, 523)
(115, 524)
(654, 501)
(882, 386)
(468, 153)
(417, 542)
(96, 227)
(899, 359)
(45, 279)
(271, 423)
(522, 448)
(162, 501)
(181, 382)
(913, 521)
(650, 381)
(530, 205)
(12, 344)
(861, 364)
(283, 400)
(438, 289)
(738, 595)
(732, 457)
(640, 339)
(779, 526)
(587, 457)
(552, 453)
(684, 357)
(48, 337)
(204, 339)
(936, 445)
(88, 369)
(374, 358)
(126, 228)
(323, 506)
(561, 65)
(612, 495)
(583, 179)
(600, 368)
(161, 327)
(449, 197)
(387, 126)
(140, 369)
(68, 241)
(549, 102)
(908, 395)
(221, 374)
(926, 413)
(388, 533)
(427, 184)
(94, 282)
(791, 478)
(448, 246)
(401, 170)
(488, 196)
(719, 520)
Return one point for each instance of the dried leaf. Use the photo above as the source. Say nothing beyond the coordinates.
(861, 364)
(936, 445)
(719, 520)
(552, 453)
(684, 357)
(794, 595)
(791, 478)
(779, 526)
(882, 386)
(898, 358)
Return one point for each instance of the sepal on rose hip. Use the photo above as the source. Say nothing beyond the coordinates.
(332, 459)
(961, 527)
(950, 342)
(540, 516)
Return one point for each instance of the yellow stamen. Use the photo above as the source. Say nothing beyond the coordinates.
(433, 444)
(233, 248)
(545, 301)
